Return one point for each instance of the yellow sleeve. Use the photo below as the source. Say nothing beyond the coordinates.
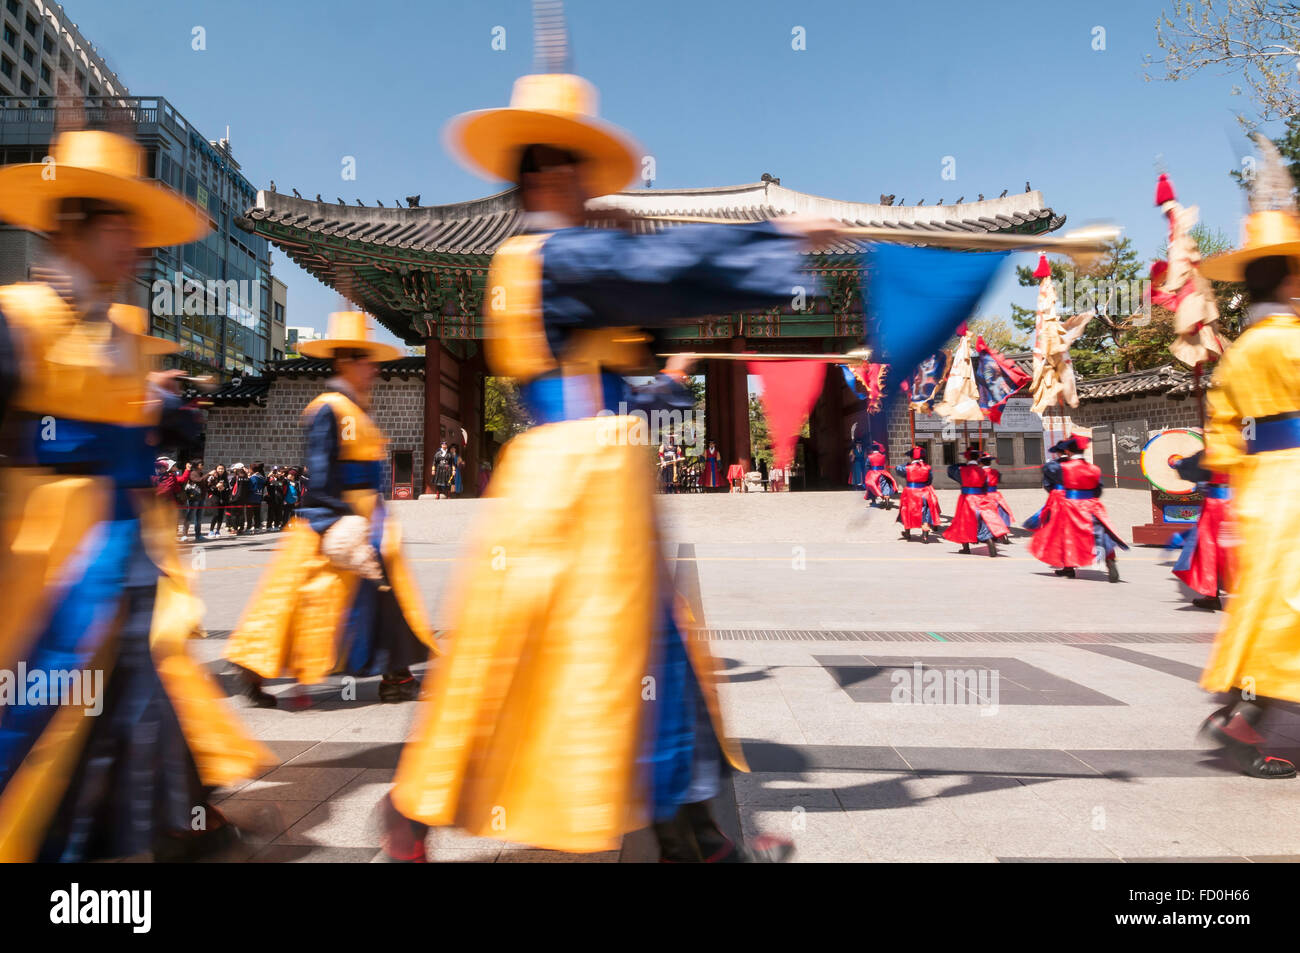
(1225, 447)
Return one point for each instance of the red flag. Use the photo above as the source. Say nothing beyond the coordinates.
(790, 388)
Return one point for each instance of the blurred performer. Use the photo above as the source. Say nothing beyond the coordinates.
(570, 696)
(1079, 532)
(338, 596)
(918, 506)
(1051, 483)
(858, 466)
(976, 518)
(993, 477)
(90, 578)
(1253, 435)
(711, 474)
(1205, 563)
(881, 485)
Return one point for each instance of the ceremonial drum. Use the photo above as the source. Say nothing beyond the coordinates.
(1175, 502)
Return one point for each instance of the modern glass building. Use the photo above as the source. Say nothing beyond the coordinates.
(213, 296)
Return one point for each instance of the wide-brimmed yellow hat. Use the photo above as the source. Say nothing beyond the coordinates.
(347, 332)
(136, 321)
(1273, 232)
(546, 109)
(92, 164)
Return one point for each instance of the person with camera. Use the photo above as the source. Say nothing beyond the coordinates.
(218, 497)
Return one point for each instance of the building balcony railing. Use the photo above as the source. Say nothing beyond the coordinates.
(98, 110)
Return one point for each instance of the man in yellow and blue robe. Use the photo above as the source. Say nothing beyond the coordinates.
(93, 590)
(571, 708)
(339, 596)
(1253, 435)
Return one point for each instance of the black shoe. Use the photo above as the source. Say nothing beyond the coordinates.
(1112, 570)
(965, 548)
(1068, 572)
(402, 688)
(993, 548)
(907, 535)
(1234, 733)
(187, 847)
(925, 536)
(253, 691)
(1212, 603)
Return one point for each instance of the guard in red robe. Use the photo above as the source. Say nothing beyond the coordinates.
(976, 519)
(1205, 563)
(1079, 533)
(993, 477)
(918, 506)
(881, 485)
(1052, 484)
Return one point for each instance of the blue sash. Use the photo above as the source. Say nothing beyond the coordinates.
(120, 453)
(1082, 494)
(360, 474)
(1217, 492)
(545, 397)
(917, 486)
(974, 490)
(875, 468)
(1275, 433)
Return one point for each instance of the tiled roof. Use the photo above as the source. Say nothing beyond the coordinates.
(1166, 379)
(478, 227)
(243, 392)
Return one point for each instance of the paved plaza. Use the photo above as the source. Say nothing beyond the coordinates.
(896, 702)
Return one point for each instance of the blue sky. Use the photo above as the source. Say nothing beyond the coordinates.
(1014, 91)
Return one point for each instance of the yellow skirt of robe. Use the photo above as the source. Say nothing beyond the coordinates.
(44, 521)
(293, 624)
(1258, 648)
(535, 714)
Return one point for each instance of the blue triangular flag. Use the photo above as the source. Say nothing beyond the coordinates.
(917, 297)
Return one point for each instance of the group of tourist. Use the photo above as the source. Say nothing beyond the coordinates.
(237, 500)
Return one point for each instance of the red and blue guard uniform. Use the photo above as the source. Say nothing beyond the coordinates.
(1205, 563)
(1079, 532)
(994, 477)
(976, 519)
(881, 485)
(918, 505)
(1052, 484)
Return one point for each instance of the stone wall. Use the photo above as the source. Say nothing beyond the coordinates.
(273, 434)
(1159, 411)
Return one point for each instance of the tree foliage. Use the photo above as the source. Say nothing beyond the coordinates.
(504, 413)
(998, 333)
(1256, 40)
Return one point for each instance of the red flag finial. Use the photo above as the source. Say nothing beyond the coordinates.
(1044, 269)
(1164, 190)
